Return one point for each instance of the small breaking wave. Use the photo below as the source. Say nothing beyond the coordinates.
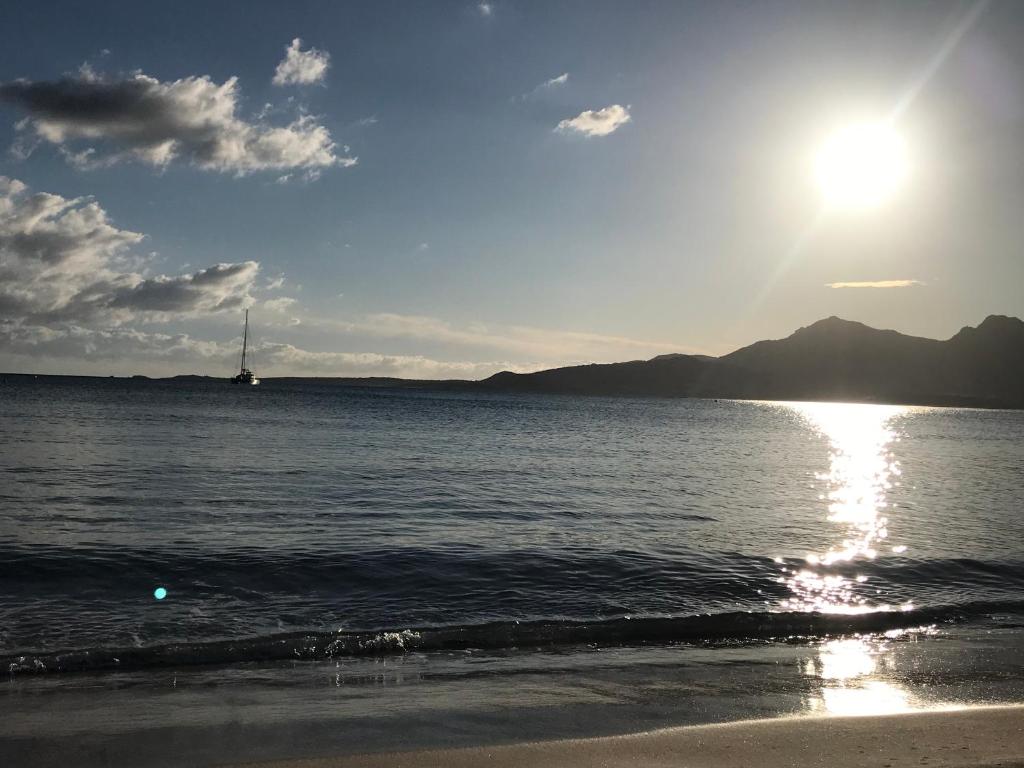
(505, 635)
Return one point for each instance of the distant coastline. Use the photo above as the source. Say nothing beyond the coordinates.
(830, 360)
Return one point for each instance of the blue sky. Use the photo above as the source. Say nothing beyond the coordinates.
(452, 188)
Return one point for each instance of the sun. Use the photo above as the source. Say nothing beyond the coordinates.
(861, 166)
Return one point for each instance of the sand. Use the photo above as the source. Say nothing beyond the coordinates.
(985, 736)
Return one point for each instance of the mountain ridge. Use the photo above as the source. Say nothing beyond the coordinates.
(831, 359)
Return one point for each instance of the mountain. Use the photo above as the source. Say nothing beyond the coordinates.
(833, 359)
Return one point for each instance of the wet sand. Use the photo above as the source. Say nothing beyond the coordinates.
(987, 736)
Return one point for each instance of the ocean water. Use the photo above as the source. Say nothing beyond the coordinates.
(499, 550)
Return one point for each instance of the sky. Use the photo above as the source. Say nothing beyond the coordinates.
(449, 189)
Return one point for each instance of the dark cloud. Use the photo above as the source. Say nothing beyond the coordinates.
(216, 288)
(93, 102)
(97, 121)
(62, 260)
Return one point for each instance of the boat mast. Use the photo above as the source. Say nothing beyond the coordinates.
(245, 338)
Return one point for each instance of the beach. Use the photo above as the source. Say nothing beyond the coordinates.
(984, 736)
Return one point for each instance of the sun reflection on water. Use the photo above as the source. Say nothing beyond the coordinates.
(862, 468)
(849, 670)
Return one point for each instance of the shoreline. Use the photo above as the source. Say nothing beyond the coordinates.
(989, 736)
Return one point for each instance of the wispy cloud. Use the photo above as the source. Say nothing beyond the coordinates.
(600, 122)
(280, 304)
(562, 79)
(553, 347)
(876, 284)
(485, 8)
(297, 361)
(301, 67)
(545, 87)
(42, 349)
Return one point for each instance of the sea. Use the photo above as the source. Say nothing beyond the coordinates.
(195, 572)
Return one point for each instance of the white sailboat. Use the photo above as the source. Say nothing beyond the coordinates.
(245, 376)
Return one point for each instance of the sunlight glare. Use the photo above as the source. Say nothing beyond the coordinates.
(860, 470)
(861, 166)
(850, 685)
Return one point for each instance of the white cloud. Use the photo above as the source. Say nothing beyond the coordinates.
(280, 304)
(301, 67)
(193, 120)
(876, 284)
(62, 260)
(545, 87)
(485, 8)
(599, 122)
(78, 342)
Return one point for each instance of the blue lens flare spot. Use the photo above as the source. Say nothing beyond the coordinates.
(159, 593)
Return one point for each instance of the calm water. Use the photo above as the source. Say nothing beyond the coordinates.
(461, 535)
(271, 510)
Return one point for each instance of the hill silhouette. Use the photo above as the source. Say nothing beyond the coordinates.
(833, 359)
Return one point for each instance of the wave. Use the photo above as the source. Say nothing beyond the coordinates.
(505, 635)
(725, 573)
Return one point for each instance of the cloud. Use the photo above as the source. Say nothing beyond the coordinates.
(485, 8)
(599, 122)
(62, 260)
(214, 289)
(75, 296)
(301, 67)
(123, 351)
(296, 361)
(142, 119)
(280, 304)
(33, 347)
(88, 344)
(876, 284)
(544, 87)
(553, 347)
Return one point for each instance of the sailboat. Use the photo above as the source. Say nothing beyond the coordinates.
(245, 376)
